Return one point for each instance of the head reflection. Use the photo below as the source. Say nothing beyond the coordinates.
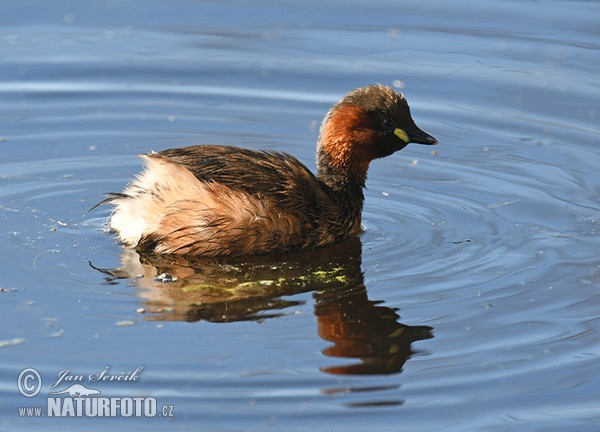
(258, 288)
(365, 330)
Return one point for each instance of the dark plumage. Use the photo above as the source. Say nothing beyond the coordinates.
(218, 200)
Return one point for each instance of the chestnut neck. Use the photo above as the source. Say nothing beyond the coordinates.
(345, 149)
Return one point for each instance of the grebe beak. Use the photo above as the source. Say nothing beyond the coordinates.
(414, 135)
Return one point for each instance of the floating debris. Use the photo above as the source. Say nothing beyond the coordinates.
(461, 241)
(125, 323)
(11, 342)
(165, 278)
(502, 204)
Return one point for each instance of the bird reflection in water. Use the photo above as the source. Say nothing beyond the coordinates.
(261, 287)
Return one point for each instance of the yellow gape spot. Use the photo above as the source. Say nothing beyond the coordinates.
(401, 134)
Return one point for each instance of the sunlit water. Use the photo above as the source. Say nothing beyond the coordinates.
(471, 300)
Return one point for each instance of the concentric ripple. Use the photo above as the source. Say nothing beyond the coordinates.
(470, 300)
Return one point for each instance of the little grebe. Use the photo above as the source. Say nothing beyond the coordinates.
(218, 200)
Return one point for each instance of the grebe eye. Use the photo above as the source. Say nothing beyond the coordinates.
(387, 123)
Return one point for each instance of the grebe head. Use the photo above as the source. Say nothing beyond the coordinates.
(368, 123)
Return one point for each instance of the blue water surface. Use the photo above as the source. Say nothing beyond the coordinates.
(471, 300)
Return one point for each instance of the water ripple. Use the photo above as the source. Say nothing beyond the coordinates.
(491, 238)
